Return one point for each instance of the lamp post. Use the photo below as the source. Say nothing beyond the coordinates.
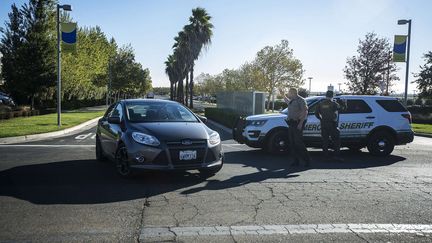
(403, 22)
(310, 84)
(65, 7)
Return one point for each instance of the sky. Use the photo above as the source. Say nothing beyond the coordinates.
(322, 33)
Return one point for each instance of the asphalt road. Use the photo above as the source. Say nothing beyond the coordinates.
(55, 191)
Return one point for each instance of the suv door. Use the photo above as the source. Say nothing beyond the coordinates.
(312, 129)
(357, 120)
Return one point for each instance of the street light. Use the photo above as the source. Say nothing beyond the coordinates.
(65, 7)
(403, 22)
(310, 84)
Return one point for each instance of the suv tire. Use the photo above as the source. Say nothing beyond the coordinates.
(278, 142)
(381, 143)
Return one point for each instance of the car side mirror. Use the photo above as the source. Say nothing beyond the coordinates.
(114, 120)
(203, 119)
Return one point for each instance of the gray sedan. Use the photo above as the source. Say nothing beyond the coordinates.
(144, 134)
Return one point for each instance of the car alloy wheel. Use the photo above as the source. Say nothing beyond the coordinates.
(381, 144)
(122, 162)
(279, 143)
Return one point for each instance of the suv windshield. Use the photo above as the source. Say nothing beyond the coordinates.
(310, 101)
(158, 112)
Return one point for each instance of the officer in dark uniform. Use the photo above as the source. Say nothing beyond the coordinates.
(327, 112)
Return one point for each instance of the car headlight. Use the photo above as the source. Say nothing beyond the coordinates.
(145, 139)
(214, 138)
(257, 123)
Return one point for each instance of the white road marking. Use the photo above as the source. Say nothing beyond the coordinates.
(170, 233)
(47, 145)
(94, 136)
(83, 136)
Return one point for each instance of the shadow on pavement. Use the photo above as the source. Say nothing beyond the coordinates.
(273, 167)
(92, 182)
(86, 182)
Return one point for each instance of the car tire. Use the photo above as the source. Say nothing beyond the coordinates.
(381, 143)
(278, 143)
(211, 171)
(122, 162)
(99, 152)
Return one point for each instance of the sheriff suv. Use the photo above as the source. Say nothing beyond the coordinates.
(376, 122)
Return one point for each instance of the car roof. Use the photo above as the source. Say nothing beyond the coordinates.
(374, 97)
(148, 101)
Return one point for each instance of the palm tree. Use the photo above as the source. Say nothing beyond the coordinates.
(200, 31)
(182, 55)
(171, 72)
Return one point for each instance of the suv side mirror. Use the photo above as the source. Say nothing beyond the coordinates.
(114, 120)
(202, 118)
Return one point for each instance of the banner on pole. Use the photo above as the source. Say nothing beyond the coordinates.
(68, 36)
(399, 48)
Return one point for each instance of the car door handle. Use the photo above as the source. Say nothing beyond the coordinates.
(370, 117)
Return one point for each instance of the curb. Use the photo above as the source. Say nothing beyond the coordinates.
(426, 135)
(222, 127)
(42, 136)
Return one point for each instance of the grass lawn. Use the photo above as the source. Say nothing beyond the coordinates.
(45, 123)
(422, 128)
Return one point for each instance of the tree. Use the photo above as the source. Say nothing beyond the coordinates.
(129, 79)
(171, 72)
(28, 50)
(278, 68)
(10, 44)
(38, 50)
(200, 36)
(372, 70)
(85, 73)
(424, 77)
(186, 50)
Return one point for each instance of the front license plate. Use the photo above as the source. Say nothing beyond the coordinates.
(188, 155)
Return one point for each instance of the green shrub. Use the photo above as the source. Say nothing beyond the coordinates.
(278, 105)
(421, 114)
(225, 117)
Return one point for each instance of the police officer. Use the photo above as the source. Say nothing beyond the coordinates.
(327, 112)
(296, 120)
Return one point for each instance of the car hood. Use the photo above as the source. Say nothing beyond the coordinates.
(266, 116)
(174, 131)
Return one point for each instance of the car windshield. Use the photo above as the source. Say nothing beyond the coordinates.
(310, 101)
(158, 112)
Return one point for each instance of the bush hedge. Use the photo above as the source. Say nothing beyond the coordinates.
(225, 117)
(421, 114)
(278, 105)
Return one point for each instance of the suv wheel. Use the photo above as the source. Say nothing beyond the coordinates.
(99, 152)
(122, 162)
(381, 143)
(278, 142)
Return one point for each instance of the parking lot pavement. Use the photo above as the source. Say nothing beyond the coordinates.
(54, 190)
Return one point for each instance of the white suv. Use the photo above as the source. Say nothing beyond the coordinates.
(376, 122)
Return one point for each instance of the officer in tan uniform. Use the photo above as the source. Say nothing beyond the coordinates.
(296, 120)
